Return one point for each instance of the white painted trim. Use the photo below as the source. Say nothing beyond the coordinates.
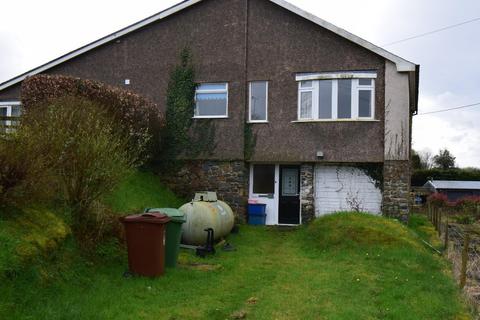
(250, 103)
(336, 120)
(402, 64)
(336, 75)
(10, 103)
(197, 91)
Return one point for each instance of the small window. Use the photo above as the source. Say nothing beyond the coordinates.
(258, 101)
(211, 100)
(264, 179)
(8, 113)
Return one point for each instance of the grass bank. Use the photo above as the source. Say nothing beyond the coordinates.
(344, 266)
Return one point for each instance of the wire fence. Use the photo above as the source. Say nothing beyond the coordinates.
(462, 247)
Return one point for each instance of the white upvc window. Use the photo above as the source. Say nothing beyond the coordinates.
(211, 100)
(7, 110)
(340, 96)
(258, 101)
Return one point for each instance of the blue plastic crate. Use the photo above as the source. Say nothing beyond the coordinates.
(256, 208)
(257, 219)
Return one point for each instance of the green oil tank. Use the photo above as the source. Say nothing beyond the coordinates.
(205, 211)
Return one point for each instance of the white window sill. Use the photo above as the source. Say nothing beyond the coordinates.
(253, 122)
(336, 120)
(210, 117)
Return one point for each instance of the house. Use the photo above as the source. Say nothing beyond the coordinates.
(329, 112)
(454, 190)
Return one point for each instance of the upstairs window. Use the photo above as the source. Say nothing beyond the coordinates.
(258, 101)
(336, 97)
(211, 100)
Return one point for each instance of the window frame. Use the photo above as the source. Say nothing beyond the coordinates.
(197, 91)
(9, 106)
(354, 104)
(250, 101)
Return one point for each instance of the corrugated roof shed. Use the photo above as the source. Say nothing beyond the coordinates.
(458, 185)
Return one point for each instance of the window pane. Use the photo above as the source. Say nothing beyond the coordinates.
(306, 84)
(306, 105)
(365, 103)
(344, 99)
(325, 100)
(3, 113)
(16, 111)
(258, 101)
(212, 86)
(365, 82)
(263, 178)
(211, 104)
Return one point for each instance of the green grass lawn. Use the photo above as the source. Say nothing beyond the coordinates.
(344, 266)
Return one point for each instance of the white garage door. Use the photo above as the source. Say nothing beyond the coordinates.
(340, 188)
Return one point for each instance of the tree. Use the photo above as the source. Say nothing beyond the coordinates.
(426, 159)
(444, 160)
(416, 161)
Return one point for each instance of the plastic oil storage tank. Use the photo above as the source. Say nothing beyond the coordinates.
(205, 211)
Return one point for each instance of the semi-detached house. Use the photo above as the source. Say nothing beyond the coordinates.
(330, 112)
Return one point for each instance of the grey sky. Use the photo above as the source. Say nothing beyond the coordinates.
(34, 32)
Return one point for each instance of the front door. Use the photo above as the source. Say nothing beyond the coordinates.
(289, 199)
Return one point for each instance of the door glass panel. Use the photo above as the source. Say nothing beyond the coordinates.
(264, 178)
(289, 182)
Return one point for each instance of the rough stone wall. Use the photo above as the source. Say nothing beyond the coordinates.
(228, 178)
(307, 200)
(396, 189)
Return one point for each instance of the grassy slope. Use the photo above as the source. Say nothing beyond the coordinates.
(345, 266)
(139, 191)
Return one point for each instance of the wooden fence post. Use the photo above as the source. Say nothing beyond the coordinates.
(429, 211)
(446, 234)
(439, 222)
(463, 271)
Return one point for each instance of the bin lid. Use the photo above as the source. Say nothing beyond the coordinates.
(150, 217)
(174, 214)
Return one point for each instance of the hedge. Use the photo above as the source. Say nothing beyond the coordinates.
(138, 115)
(420, 177)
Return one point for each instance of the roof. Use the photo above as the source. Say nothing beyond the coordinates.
(402, 64)
(444, 184)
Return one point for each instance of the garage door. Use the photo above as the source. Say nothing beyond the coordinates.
(341, 188)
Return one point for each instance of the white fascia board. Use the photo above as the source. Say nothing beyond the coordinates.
(10, 103)
(336, 75)
(100, 42)
(402, 64)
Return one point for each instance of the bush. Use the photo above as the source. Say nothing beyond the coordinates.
(469, 205)
(22, 177)
(137, 116)
(87, 153)
(438, 199)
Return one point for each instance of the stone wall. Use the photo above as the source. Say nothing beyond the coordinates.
(307, 201)
(228, 178)
(396, 189)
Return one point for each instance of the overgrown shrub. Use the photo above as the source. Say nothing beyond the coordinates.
(23, 179)
(137, 116)
(469, 205)
(87, 151)
(438, 199)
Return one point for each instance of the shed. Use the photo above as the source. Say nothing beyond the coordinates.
(454, 189)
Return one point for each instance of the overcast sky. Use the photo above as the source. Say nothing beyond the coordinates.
(34, 32)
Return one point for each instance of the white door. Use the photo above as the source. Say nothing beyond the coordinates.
(264, 189)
